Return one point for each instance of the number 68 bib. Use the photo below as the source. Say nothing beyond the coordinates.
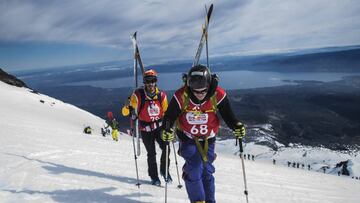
(199, 124)
(198, 119)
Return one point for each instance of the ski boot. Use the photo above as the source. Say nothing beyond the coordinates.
(155, 181)
(168, 179)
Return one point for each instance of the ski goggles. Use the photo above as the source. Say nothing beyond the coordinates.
(150, 80)
(199, 91)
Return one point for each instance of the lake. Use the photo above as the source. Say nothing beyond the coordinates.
(228, 79)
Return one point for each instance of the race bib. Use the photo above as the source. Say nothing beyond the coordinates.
(153, 109)
(197, 118)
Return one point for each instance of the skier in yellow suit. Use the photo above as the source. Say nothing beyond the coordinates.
(114, 126)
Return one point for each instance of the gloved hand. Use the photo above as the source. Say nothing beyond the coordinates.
(168, 135)
(125, 110)
(134, 117)
(239, 130)
(132, 113)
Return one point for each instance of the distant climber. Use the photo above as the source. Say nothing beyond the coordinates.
(111, 121)
(87, 130)
(105, 131)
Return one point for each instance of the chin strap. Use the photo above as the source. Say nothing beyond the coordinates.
(149, 94)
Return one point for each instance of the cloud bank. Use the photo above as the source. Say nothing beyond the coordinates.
(171, 28)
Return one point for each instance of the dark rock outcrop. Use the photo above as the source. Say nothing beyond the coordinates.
(343, 166)
(11, 80)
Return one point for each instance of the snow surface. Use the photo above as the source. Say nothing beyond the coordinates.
(45, 157)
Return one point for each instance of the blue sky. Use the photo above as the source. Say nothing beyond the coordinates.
(39, 34)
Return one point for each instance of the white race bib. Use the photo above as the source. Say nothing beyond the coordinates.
(153, 109)
(197, 118)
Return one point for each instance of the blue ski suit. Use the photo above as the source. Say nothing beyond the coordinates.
(198, 175)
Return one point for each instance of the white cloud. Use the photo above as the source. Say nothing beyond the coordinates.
(171, 28)
(262, 25)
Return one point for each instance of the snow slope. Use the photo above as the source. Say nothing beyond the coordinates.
(45, 157)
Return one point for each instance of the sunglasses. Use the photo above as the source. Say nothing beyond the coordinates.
(199, 92)
(150, 81)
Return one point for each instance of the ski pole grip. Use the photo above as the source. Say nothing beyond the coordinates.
(167, 128)
(240, 145)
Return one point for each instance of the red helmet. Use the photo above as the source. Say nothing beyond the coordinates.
(110, 115)
(150, 76)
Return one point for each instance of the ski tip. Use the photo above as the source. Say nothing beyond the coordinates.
(134, 35)
(210, 10)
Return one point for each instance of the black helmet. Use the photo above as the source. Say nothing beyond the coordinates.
(198, 77)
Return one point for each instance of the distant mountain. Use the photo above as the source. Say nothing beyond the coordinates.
(311, 113)
(337, 61)
(331, 59)
(92, 99)
(347, 60)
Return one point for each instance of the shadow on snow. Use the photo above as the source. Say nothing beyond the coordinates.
(83, 195)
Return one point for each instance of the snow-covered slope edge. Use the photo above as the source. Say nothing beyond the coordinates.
(45, 157)
(19, 107)
(263, 146)
(314, 159)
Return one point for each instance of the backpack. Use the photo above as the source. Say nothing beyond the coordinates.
(110, 115)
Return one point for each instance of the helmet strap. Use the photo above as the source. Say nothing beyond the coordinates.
(150, 94)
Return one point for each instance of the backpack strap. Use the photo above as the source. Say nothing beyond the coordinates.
(213, 101)
(203, 151)
(186, 99)
(143, 98)
(159, 98)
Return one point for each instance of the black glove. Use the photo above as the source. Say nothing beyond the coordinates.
(132, 113)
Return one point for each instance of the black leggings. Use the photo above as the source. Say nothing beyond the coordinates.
(149, 139)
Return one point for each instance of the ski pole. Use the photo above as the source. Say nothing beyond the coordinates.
(136, 166)
(137, 134)
(166, 169)
(177, 168)
(243, 169)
